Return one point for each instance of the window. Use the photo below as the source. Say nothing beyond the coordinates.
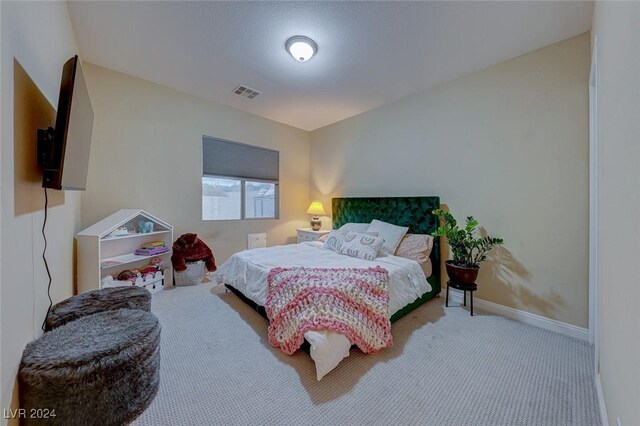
(221, 199)
(259, 200)
(238, 181)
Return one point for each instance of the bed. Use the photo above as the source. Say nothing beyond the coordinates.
(245, 273)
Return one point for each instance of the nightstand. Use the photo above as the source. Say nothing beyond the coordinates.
(307, 234)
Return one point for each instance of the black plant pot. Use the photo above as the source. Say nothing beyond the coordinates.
(461, 274)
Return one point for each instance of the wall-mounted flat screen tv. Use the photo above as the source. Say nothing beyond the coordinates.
(63, 151)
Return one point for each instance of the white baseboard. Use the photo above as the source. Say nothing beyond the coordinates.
(601, 404)
(524, 316)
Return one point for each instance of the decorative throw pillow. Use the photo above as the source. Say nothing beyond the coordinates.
(355, 227)
(392, 234)
(334, 240)
(417, 247)
(361, 245)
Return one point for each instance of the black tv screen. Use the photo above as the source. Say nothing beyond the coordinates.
(64, 155)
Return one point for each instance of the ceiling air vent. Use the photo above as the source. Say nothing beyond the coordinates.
(245, 91)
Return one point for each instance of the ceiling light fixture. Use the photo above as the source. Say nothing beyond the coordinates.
(301, 48)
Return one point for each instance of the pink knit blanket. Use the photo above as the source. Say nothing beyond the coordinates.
(350, 301)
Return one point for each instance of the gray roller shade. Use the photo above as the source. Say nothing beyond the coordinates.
(233, 159)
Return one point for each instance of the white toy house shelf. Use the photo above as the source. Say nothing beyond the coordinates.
(107, 248)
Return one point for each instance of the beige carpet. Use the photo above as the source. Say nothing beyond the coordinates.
(445, 368)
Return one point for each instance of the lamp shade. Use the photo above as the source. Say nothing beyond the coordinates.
(316, 209)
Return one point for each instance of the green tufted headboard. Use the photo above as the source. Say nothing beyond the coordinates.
(412, 212)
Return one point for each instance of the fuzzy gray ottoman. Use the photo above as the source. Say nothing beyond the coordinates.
(95, 301)
(99, 369)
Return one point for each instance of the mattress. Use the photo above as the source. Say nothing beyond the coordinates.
(247, 271)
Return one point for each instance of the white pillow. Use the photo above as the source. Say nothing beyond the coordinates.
(355, 227)
(334, 240)
(328, 348)
(362, 246)
(392, 234)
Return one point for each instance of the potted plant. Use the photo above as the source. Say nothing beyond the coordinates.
(467, 248)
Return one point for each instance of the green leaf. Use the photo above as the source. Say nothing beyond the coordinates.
(466, 248)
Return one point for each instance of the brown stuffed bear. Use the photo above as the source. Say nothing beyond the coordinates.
(189, 248)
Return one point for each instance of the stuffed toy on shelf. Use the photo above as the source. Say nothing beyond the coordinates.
(189, 248)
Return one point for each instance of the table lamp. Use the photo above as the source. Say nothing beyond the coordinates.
(316, 210)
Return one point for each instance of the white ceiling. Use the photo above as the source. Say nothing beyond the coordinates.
(369, 53)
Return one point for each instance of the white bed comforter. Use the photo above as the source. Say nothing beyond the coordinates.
(247, 271)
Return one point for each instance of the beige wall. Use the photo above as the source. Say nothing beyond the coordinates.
(508, 145)
(616, 28)
(40, 38)
(147, 153)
